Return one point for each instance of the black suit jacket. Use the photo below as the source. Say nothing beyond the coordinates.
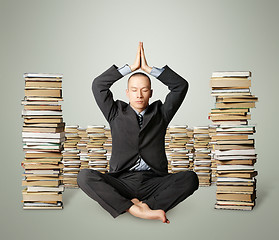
(128, 140)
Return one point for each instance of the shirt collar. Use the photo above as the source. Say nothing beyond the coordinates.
(142, 112)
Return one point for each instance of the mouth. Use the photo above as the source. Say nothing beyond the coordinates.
(139, 101)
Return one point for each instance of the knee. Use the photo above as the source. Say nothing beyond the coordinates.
(195, 180)
(83, 176)
(190, 178)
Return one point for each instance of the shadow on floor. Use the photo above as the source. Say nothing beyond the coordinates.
(68, 194)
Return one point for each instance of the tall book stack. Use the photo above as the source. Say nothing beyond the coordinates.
(202, 159)
(212, 132)
(108, 145)
(71, 159)
(178, 156)
(82, 147)
(43, 136)
(234, 150)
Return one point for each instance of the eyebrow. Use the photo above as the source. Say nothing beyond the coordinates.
(141, 88)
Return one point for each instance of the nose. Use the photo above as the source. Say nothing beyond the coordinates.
(139, 94)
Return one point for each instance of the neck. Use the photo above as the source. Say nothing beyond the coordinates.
(139, 110)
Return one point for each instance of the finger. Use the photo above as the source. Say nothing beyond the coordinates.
(143, 56)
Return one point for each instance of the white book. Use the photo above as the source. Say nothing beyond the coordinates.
(40, 204)
(178, 162)
(96, 134)
(60, 188)
(70, 174)
(72, 126)
(100, 162)
(41, 144)
(24, 102)
(234, 167)
(44, 140)
(41, 147)
(43, 135)
(180, 151)
(203, 150)
(234, 129)
(201, 127)
(235, 152)
(41, 113)
(96, 126)
(225, 158)
(179, 168)
(98, 151)
(235, 126)
(230, 90)
(99, 169)
(232, 74)
(41, 171)
(71, 151)
(227, 179)
(43, 75)
(71, 169)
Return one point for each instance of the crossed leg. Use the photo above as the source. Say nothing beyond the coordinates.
(157, 197)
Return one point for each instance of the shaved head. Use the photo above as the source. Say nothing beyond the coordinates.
(138, 74)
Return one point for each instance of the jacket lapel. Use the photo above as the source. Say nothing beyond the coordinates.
(146, 117)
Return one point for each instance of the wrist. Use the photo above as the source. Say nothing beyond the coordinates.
(147, 69)
(132, 67)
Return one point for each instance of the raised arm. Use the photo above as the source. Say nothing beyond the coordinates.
(101, 86)
(101, 91)
(177, 85)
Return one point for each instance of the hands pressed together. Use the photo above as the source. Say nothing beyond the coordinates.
(140, 61)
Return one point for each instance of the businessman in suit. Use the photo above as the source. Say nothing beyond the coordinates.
(138, 181)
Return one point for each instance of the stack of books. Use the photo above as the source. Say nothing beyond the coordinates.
(71, 159)
(190, 147)
(234, 148)
(97, 138)
(167, 148)
(202, 159)
(178, 156)
(212, 132)
(82, 147)
(43, 136)
(98, 160)
(95, 147)
(108, 145)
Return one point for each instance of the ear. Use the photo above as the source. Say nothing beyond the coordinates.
(127, 93)
(151, 92)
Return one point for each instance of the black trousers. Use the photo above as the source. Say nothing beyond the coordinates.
(114, 194)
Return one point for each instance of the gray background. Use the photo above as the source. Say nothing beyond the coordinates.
(81, 39)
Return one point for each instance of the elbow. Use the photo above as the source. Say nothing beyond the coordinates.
(185, 86)
(94, 84)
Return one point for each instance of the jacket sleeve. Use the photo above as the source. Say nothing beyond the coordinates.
(178, 87)
(101, 91)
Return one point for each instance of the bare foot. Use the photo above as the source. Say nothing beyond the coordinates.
(135, 200)
(142, 210)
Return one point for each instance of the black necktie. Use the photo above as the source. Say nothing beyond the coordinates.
(140, 119)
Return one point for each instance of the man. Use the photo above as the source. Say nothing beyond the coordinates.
(138, 181)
